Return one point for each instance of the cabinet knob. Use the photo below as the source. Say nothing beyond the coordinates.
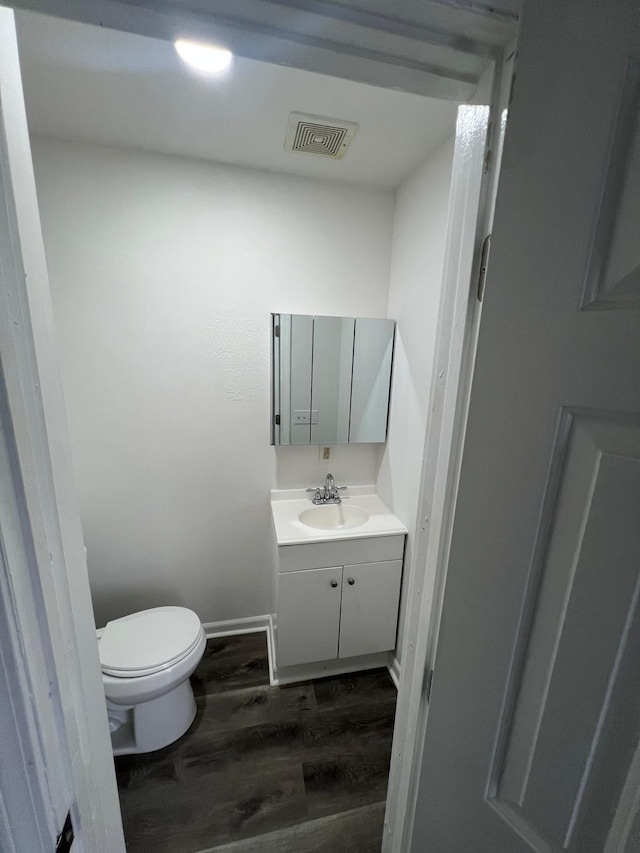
(351, 581)
(334, 584)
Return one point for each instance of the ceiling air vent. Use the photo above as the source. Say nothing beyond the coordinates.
(317, 135)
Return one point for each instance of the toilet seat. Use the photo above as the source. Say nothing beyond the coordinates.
(148, 642)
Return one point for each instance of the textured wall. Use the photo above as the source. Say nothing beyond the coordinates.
(164, 272)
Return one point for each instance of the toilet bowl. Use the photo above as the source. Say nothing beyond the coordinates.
(146, 661)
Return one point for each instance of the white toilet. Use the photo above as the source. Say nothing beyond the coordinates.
(146, 661)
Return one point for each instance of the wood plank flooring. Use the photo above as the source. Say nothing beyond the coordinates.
(295, 769)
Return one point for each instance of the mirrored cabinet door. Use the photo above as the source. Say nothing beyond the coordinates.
(371, 382)
(331, 378)
(299, 367)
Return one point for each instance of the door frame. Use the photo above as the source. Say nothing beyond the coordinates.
(471, 208)
(61, 758)
(37, 446)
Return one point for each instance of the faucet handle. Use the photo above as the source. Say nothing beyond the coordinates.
(317, 498)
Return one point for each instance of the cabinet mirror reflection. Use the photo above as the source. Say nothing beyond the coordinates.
(331, 379)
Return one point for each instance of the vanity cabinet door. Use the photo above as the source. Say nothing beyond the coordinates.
(308, 615)
(370, 599)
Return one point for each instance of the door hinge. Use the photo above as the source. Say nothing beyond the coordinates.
(487, 160)
(277, 420)
(65, 839)
(484, 262)
(429, 683)
(276, 331)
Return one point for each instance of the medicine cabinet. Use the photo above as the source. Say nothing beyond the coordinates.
(331, 379)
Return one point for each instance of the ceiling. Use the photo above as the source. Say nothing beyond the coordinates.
(437, 48)
(107, 87)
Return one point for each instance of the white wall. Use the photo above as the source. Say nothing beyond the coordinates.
(419, 234)
(163, 273)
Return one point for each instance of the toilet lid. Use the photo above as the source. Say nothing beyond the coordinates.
(148, 641)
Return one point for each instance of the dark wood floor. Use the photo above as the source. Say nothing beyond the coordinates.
(297, 769)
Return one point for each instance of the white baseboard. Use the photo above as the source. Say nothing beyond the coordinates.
(271, 650)
(292, 674)
(229, 627)
(249, 625)
(324, 669)
(394, 669)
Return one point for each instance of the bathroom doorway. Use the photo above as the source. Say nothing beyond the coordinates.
(472, 260)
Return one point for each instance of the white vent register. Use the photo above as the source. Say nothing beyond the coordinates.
(317, 135)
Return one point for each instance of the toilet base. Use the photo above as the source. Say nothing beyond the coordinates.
(152, 725)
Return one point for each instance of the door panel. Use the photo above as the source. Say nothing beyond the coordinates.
(614, 274)
(369, 608)
(308, 615)
(533, 731)
(578, 675)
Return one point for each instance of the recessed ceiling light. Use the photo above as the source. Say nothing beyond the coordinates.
(204, 57)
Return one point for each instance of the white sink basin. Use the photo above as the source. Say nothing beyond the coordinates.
(334, 517)
(361, 515)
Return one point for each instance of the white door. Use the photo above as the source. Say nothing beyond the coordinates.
(55, 751)
(369, 618)
(308, 610)
(533, 732)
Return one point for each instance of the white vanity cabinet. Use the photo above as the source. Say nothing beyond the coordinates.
(369, 612)
(330, 608)
(308, 615)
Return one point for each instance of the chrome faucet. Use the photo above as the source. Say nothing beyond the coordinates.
(327, 494)
(330, 491)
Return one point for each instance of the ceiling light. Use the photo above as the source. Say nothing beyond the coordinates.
(204, 57)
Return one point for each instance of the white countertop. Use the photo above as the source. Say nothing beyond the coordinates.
(287, 504)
